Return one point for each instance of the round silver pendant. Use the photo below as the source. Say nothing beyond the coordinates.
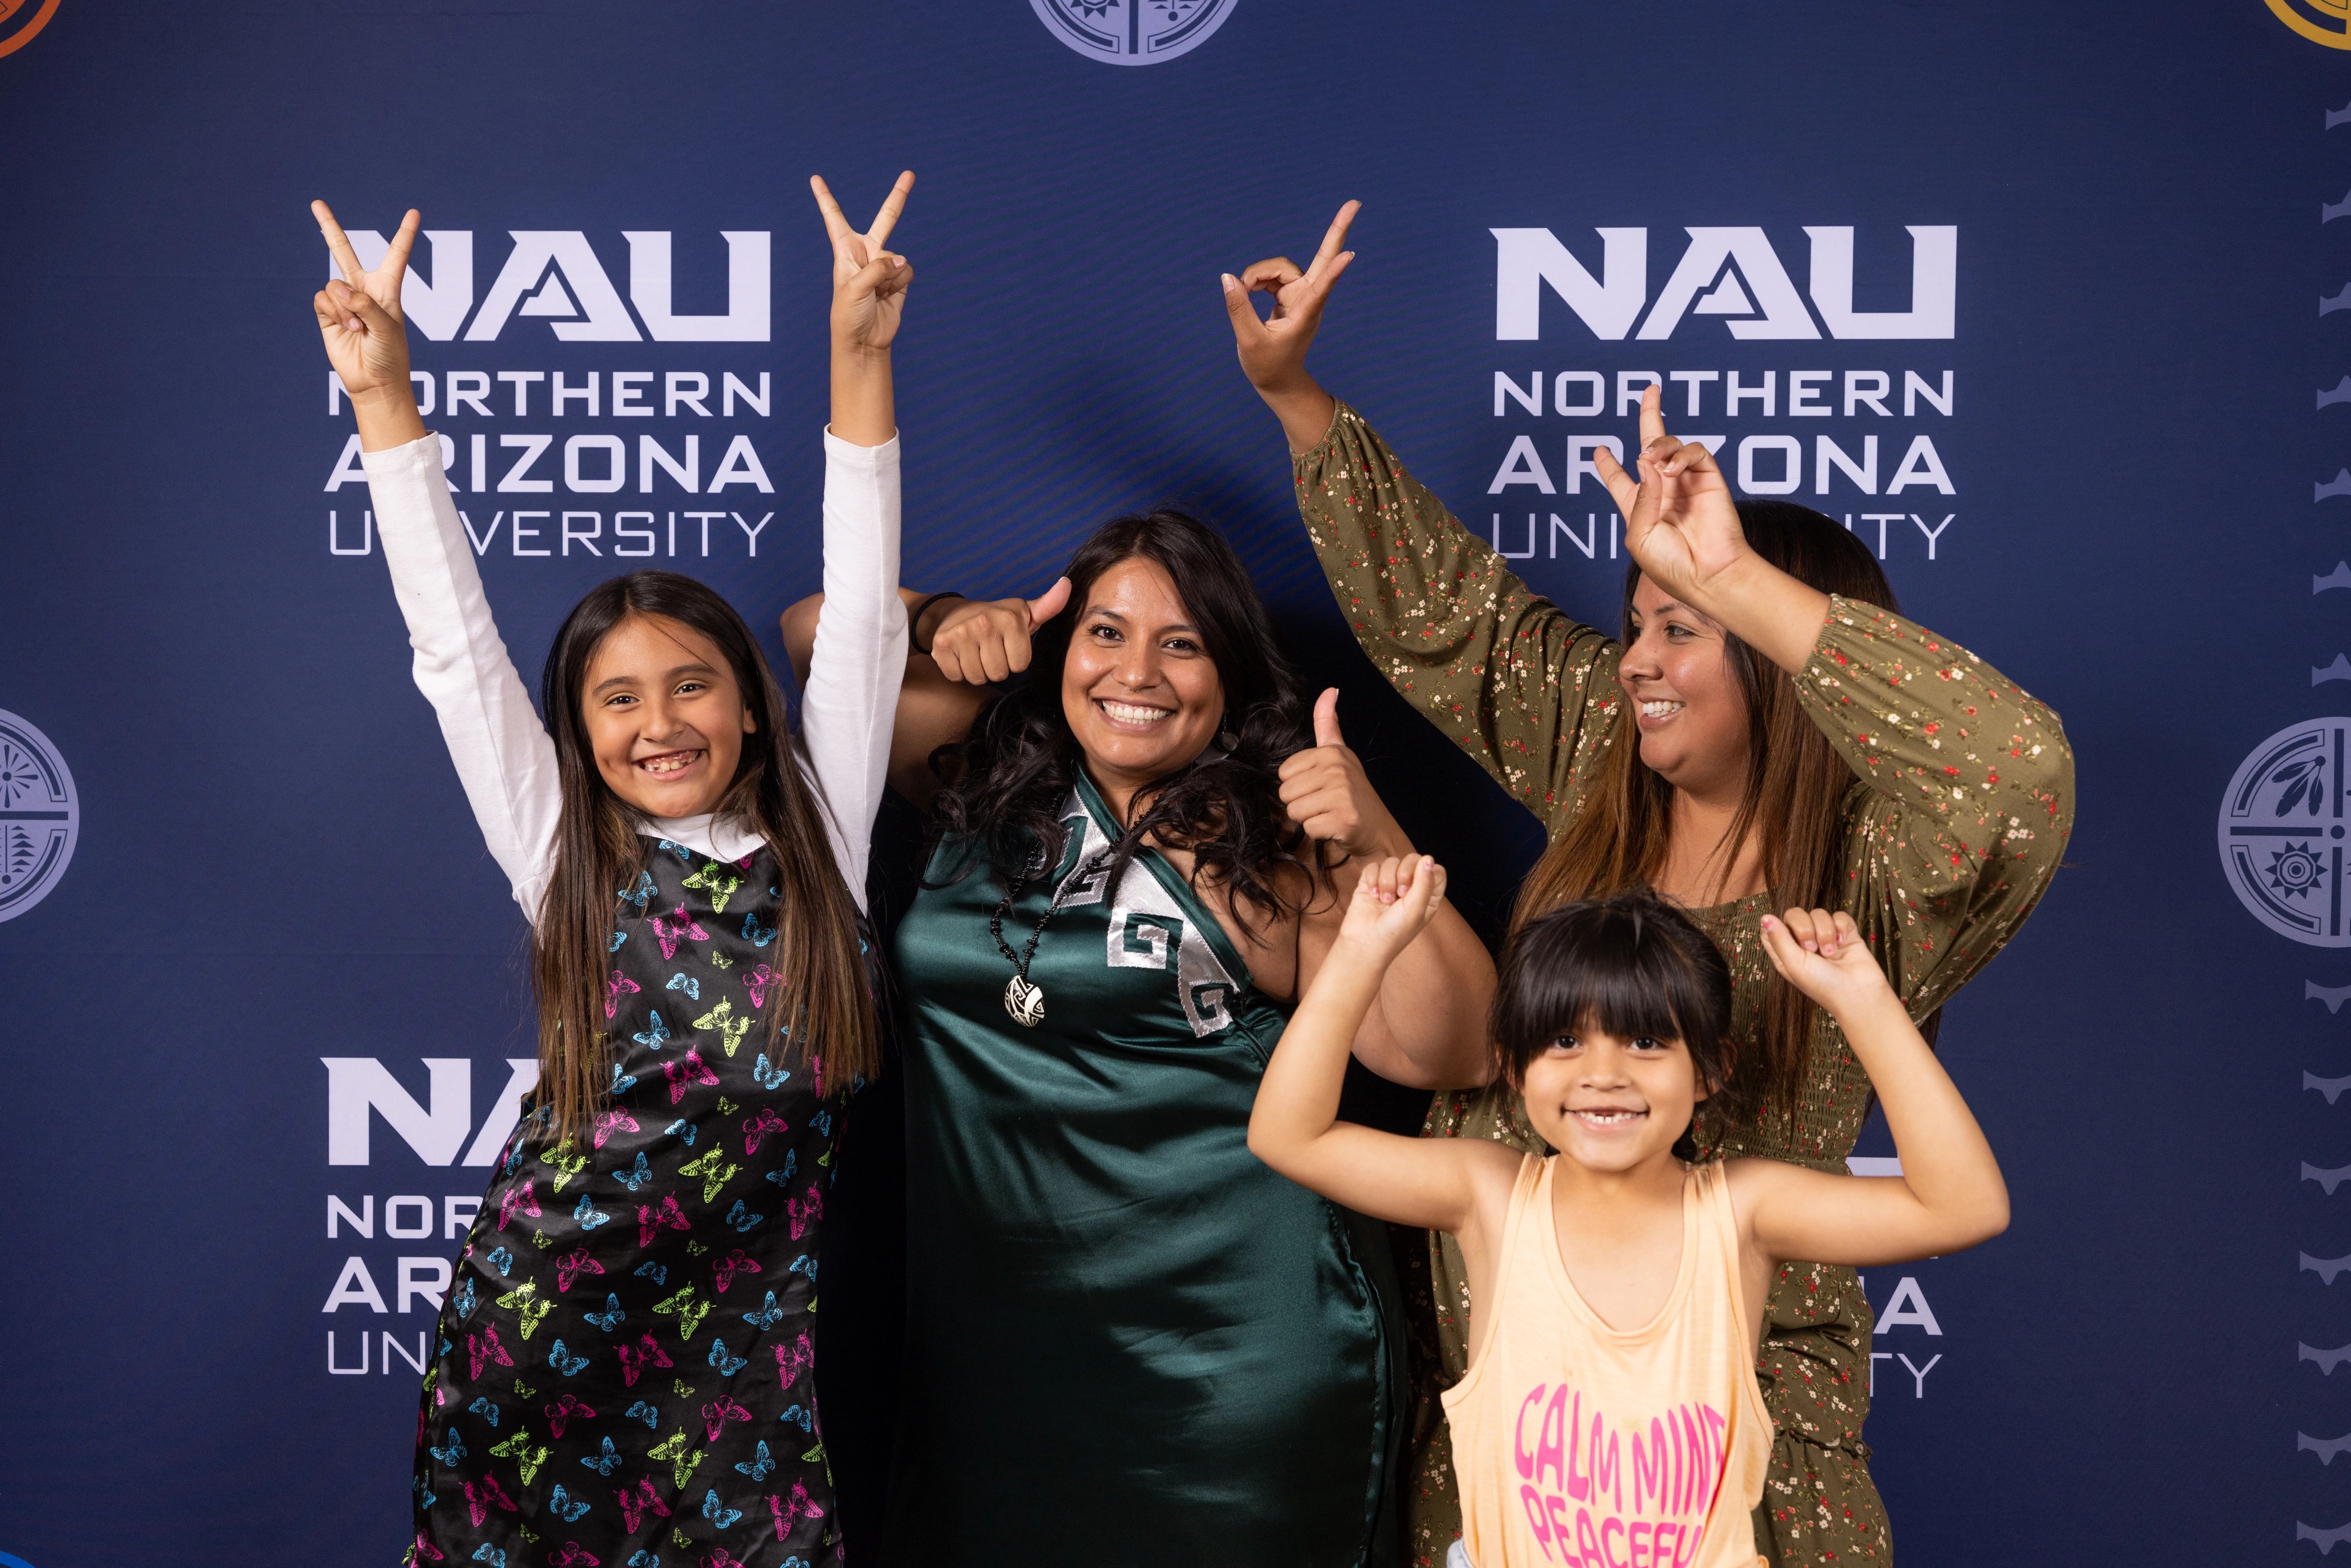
(1024, 1001)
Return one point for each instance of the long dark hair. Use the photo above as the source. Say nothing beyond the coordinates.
(1004, 787)
(598, 855)
(1795, 787)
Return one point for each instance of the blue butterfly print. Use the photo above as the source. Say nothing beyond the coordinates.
(485, 1552)
(588, 1214)
(801, 1419)
(637, 1176)
(768, 1317)
(641, 893)
(569, 1365)
(618, 938)
(684, 855)
(466, 1303)
(806, 1265)
(647, 1560)
(622, 1081)
(485, 1409)
(445, 1349)
(501, 1260)
(727, 1365)
(769, 1078)
(568, 1509)
(609, 1319)
(791, 1164)
(686, 983)
(453, 1452)
(428, 1497)
(823, 1121)
(760, 1467)
(605, 1462)
(657, 1272)
(742, 1218)
(640, 1411)
(754, 933)
(681, 1128)
(658, 1036)
(718, 1512)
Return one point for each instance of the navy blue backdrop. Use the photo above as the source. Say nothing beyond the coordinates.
(258, 1018)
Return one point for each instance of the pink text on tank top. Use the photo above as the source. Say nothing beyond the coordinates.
(1575, 1482)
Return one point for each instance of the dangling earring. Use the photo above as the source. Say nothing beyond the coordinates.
(1228, 742)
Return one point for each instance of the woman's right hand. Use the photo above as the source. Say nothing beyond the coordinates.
(1273, 350)
(366, 334)
(979, 642)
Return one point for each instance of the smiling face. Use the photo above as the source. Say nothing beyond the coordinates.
(1611, 1103)
(1139, 691)
(666, 716)
(1686, 695)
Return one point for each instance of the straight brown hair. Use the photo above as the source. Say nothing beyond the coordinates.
(1794, 797)
(824, 1004)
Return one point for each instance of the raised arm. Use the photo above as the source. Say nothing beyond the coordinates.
(503, 755)
(857, 657)
(1435, 1183)
(1527, 690)
(1949, 1195)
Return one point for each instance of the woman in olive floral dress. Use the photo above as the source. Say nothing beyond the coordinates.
(1767, 727)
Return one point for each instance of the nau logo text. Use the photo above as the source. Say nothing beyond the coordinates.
(436, 1129)
(1732, 273)
(556, 275)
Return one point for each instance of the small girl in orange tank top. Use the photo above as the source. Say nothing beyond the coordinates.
(1609, 1415)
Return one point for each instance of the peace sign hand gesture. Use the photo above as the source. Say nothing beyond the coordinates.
(359, 315)
(1273, 350)
(1681, 522)
(869, 283)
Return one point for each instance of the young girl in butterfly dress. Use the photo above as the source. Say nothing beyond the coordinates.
(624, 1367)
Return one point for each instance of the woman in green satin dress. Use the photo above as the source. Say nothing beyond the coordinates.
(1128, 1340)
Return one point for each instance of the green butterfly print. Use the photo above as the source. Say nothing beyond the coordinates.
(717, 881)
(729, 1029)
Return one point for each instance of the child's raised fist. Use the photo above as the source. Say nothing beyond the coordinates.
(1823, 955)
(1394, 900)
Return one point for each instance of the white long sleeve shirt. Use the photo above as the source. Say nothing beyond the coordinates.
(505, 757)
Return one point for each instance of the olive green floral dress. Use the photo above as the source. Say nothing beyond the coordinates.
(1962, 804)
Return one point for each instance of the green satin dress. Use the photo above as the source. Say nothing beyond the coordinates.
(1128, 1342)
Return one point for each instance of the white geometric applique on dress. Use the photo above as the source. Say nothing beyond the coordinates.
(1147, 928)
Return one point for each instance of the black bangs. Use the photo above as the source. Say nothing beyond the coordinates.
(1629, 966)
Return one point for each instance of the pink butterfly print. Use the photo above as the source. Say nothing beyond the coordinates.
(426, 1550)
(569, 1266)
(653, 1218)
(563, 1412)
(638, 1502)
(806, 1214)
(816, 1074)
(720, 1411)
(758, 1126)
(620, 986)
(634, 1361)
(722, 1558)
(671, 929)
(686, 1073)
(723, 1272)
(791, 1361)
(613, 1121)
(789, 1510)
(521, 1201)
(483, 1348)
(571, 1555)
(487, 1495)
(757, 981)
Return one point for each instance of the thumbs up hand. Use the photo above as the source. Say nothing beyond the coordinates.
(982, 641)
(1325, 792)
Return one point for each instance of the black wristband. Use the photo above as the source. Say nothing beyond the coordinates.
(915, 621)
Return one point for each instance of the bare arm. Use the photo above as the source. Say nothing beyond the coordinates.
(1435, 1183)
(1949, 1195)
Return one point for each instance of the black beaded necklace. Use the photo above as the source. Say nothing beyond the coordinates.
(1024, 1001)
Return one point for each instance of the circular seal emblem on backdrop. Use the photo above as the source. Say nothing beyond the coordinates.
(19, 20)
(1133, 32)
(2283, 832)
(2324, 22)
(40, 815)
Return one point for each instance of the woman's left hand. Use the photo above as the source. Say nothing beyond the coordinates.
(1681, 521)
(869, 282)
(1326, 794)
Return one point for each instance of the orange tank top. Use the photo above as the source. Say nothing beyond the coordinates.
(1580, 1446)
